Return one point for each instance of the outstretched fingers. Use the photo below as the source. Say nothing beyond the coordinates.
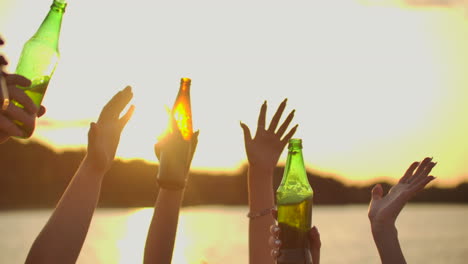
(289, 135)
(276, 117)
(423, 171)
(115, 106)
(92, 134)
(421, 184)
(124, 119)
(286, 123)
(420, 169)
(262, 117)
(247, 134)
(409, 172)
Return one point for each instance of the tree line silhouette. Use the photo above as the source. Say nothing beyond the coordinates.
(34, 176)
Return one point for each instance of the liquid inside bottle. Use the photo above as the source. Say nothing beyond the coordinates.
(294, 201)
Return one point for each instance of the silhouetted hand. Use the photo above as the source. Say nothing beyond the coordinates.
(175, 156)
(385, 210)
(104, 135)
(25, 116)
(265, 149)
(314, 241)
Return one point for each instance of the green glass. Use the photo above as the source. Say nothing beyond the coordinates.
(40, 53)
(294, 200)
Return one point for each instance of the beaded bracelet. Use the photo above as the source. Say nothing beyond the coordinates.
(261, 213)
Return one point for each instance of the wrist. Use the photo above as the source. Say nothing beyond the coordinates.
(167, 191)
(260, 175)
(170, 180)
(261, 168)
(380, 227)
(94, 166)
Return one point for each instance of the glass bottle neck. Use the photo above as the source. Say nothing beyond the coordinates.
(295, 167)
(294, 187)
(185, 84)
(50, 27)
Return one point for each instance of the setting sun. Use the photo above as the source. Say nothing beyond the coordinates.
(375, 84)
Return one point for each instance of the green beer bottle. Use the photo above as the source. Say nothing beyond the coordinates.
(40, 53)
(294, 200)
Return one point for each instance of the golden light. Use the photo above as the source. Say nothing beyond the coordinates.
(182, 111)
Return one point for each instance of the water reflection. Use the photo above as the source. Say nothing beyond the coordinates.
(203, 236)
(430, 234)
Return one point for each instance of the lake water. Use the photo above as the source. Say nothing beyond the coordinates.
(218, 234)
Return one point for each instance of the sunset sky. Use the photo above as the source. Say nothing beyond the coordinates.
(376, 84)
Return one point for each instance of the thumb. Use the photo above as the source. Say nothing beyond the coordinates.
(92, 134)
(246, 130)
(157, 150)
(377, 192)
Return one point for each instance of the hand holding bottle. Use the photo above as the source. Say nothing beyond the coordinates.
(314, 242)
(175, 149)
(40, 53)
(27, 115)
(263, 152)
(175, 156)
(104, 135)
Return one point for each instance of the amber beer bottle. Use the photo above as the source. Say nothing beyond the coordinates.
(182, 114)
(294, 201)
(182, 109)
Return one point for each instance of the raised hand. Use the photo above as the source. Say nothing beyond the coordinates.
(104, 135)
(385, 210)
(265, 148)
(263, 152)
(175, 156)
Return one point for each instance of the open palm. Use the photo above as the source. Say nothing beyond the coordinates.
(104, 135)
(266, 147)
(383, 210)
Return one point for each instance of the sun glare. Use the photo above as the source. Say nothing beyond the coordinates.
(132, 244)
(182, 111)
(386, 82)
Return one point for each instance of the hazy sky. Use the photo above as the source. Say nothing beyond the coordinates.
(375, 84)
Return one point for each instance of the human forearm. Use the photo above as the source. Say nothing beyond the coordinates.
(260, 184)
(386, 241)
(163, 227)
(61, 239)
(260, 201)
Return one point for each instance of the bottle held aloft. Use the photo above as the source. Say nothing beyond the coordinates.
(294, 200)
(182, 111)
(40, 53)
(171, 175)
